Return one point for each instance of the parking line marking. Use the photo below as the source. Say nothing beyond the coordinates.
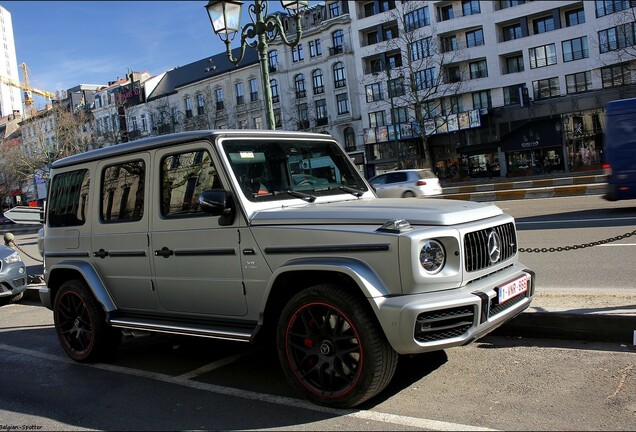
(249, 395)
(212, 366)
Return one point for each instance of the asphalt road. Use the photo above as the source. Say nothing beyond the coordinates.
(170, 383)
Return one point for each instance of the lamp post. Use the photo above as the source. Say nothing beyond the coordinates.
(225, 16)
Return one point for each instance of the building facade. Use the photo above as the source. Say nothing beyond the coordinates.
(10, 98)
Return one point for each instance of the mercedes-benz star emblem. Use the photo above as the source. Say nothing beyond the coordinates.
(494, 248)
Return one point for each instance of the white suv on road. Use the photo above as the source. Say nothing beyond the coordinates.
(228, 234)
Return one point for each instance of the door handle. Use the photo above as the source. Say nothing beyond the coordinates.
(100, 254)
(164, 252)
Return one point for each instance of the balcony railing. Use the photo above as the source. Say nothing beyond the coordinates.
(338, 49)
(321, 121)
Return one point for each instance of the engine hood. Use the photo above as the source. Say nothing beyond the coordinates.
(429, 211)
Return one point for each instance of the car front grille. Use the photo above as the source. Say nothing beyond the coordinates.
(477, 256)
(443, 324)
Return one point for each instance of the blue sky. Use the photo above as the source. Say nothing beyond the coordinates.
(65, 43)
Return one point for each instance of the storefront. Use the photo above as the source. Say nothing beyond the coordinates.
(584, 139)
(534, 148)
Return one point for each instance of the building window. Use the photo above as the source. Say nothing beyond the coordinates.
(579, 82)
(421, 48)
(319, 84)
(474, 38)
(374, 92)
(342, 100)
(503, 4)
(449, 44)
(429, 109)
(574, 17)
(607, 7)
(394, 60)
(512, 32)
(575, 49)
(219, 98)
(303, 116)
(512, 94)
(272, 57)
(339, 75)
(200, 105)
(481, 99)
(321, 112)
(417, 19)
(446, 13)
(615, 38)
(546, 88)
(337, 38)
(350, 139)
(453, 74)
(377, 119)
(144, 123)
(543, 25)
(389, 32)
(273, 85)
(396, 87)
(334, 9)
(299, 83)
(617, 75)
(426, 78)
(399, 115)
(188, 107)
(542, 56)
(297, 53)
(315, 48)
(452, 105)
(478, 69)
(253, 90)
(278, 119)
(470, 7)
(240, 96)
(514, 64)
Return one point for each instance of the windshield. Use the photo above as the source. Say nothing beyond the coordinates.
(282, 169)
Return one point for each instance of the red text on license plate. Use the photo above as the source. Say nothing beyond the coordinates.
(512, 289)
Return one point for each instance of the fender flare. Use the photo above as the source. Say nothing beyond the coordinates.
(92, 279)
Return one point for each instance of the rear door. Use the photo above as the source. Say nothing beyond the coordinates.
(196, 259)
(120, 249)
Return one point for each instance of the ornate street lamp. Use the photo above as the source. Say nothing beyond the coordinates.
(225, 16)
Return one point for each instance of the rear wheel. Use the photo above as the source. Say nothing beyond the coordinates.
(80, 323)
(332, 349)
(408, 194)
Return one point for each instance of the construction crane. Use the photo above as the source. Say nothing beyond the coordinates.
(28, 90)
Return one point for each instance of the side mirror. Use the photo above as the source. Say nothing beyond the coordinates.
(217, 202)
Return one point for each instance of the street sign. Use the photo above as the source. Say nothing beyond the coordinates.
(25, 215)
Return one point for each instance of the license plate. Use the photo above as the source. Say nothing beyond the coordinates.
(512, 289)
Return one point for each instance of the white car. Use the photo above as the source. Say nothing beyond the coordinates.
(406, 184)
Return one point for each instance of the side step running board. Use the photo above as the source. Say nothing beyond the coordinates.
(178, 329)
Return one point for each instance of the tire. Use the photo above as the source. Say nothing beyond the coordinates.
(80, 324)
(16, 298)
(332, 349)
(408, 194)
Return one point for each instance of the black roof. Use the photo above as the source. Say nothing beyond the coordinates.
(218, 64)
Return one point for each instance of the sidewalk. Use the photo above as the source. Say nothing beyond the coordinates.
(545, 186)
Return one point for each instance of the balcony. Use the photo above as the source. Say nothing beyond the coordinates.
(321, 121)
(301, 94)
(303, 124)
(339, 49)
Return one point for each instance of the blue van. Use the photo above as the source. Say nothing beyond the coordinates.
(620, 149)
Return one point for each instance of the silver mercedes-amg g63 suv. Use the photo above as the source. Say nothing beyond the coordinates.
(225, 234)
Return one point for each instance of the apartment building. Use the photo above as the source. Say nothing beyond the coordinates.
(10, 99)
(518, 84)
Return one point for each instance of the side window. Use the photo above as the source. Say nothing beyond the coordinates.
(123, 192)
(68, 200)
(396, 178)
(183, 177)
(379, 180)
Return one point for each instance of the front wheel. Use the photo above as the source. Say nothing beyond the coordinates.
(332, 349)
(81, 325)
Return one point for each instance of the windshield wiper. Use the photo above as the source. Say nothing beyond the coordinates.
(303, 196)
(356, 192)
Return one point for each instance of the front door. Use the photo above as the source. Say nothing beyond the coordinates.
(196, 261)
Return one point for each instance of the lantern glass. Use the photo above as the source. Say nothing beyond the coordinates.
(294, 4)
(225, 16)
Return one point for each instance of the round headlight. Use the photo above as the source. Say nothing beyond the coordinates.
(432, 256)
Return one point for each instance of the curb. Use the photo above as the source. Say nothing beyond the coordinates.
(563, 325)
(526, 184)
(537, 192)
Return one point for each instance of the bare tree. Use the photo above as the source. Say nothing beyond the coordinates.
(423, 70)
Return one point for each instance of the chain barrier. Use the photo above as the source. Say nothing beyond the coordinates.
(579, 246)
(9, 240)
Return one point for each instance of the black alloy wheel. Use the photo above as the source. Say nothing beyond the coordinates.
(80, 323)
(331, 348)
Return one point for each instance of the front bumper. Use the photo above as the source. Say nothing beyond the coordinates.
(454, 317)
(13, 279)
